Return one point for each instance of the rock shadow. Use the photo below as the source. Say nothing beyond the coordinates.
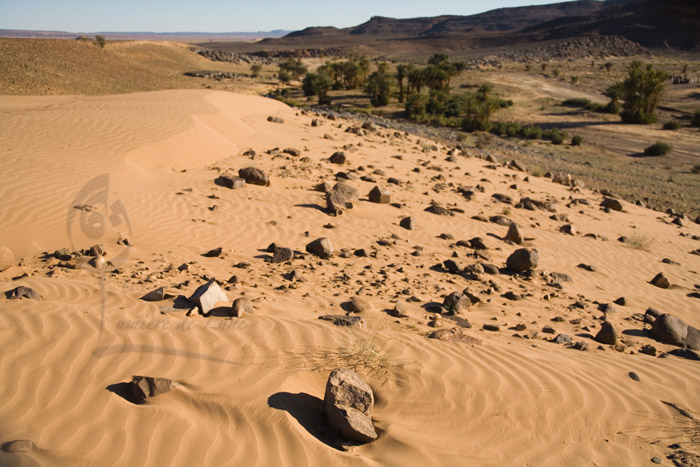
(308, 411)
(123, 390)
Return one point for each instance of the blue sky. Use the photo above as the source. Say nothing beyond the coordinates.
(222, 15)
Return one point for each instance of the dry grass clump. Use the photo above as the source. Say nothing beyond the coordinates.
(358, 350)
(639, 241)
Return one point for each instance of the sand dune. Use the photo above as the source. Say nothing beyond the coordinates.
(251, 388)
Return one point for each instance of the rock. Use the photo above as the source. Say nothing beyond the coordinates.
(408, 223)
(456, 302)
(155, 295)
(18, 445)
(282, 254)
(98, 262)
(674, 331)
(634, 376)
(451, 266)
(338, 158)
(348, 404)
(320, 247)
(491, 327)
(562, 178)
(661, 281)
(144, 387)
(22, 292)
(514, 234)
(580, 345)
(342, 320)
(522, 260)
(399, 311)
(275, 119)
(648, 349)
(241, 305)
(621, 301)
(562, 339)
(340, 198)
(379, 195)
(455, 335)
(207, 296)
(292, 152)
(215, 253)
(229, 181)
(517, 166)
(359, 305)
(254, 176)
(607, 334)
(324, 187)
(477, 243)
(567, 229)
(490, 268)
(439, 210)
(500, 220)
(611, 203)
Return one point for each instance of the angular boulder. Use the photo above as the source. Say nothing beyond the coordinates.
(674, 331)
(348, 404)
(408, 223)
(281, 254)
(321, 247)
(456, 302)
(661, 281)
(379, 195)
(144, 387)
(229, 181)
(514, 234)
(607, 334)
(340, 197)
(207, 296)
(155, 295)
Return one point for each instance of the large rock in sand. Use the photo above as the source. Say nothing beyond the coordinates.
(607, 334)
(254, 176)
(22, 292)
(207, 296)
(340, 197)
(674, 331)
(522, 260)
(7, 258)
(514, 234)
(348, 404)
(144, 387)
(321, 247)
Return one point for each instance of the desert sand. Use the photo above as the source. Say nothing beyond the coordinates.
(250, 388)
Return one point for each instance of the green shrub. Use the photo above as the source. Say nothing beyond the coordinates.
(555, 135)
(576, 140)
(255, 69)
(532, 132)
(101, 41)
(695, 120)
(672, 125)
(658, 149)
(641, 93)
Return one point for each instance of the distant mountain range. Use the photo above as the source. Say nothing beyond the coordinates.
(671, 24)
(170, 36)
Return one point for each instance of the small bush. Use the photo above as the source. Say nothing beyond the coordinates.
(255, 69)
(672, 125)
(658, 149)
(101, 41)
(576, 140)
(555, 135)
(695, 120)
(696, 169)
(532, 132)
